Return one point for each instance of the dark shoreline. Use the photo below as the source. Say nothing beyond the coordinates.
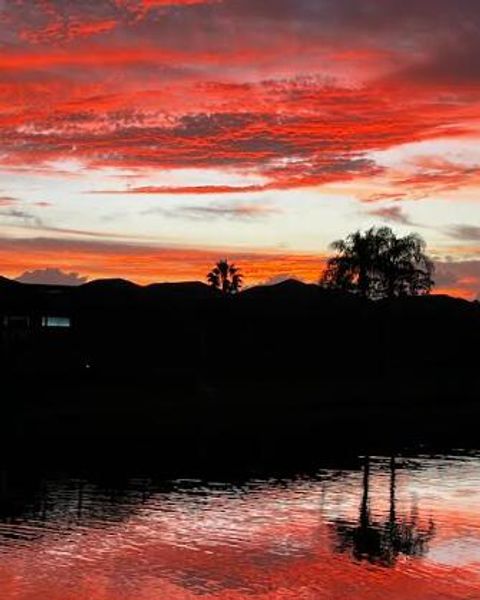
(179, 375)
(187, 421)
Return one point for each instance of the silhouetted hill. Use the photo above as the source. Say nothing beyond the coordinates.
(108, 293)
(295, 295)
(25, 297)
(290, 327)
(11, 290)
(6, 283)
(110, 285)
(287, 291)
(194, 290)
(289, 287)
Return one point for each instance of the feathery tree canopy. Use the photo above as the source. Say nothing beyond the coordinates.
(377, 264)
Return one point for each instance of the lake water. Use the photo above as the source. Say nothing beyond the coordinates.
(377, 529)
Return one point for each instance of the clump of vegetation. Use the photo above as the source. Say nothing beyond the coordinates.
(377, 264)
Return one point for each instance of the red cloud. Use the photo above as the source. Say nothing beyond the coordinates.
(59, 31)
(7, 200)
(436, 173)
(297, 93)
(139, 95)
(425, 176)
(193, 189)
(152, 3)
(290, 144)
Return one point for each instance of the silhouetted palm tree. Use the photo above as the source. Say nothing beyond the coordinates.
(378, 264)
(225, 277)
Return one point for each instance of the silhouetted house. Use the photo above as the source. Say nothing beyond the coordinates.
(36, 327)
(15, 328)
(16, 322)
(32, 323)
(38, 341)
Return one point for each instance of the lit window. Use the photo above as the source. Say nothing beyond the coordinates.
(56, 322)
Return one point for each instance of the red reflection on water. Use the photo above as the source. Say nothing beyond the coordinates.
(225, 574)
(275, 543)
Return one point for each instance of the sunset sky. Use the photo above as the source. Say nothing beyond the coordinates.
(146, 138)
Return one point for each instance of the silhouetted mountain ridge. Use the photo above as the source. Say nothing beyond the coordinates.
(290, 290)
(112, 284)
(9, 283)
(194, 289)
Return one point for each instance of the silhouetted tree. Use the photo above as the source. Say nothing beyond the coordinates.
(378, 264)
(225, 277)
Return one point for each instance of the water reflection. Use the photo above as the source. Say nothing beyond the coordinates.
(366, 532)
(383, 541)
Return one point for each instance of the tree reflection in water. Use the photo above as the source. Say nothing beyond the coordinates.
(382, 542)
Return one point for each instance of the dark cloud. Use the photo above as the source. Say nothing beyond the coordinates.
(432, 29)
(392, 214)
(51, 276)
(456, 277)
(232, 210)
(449, 61)
(23, 216)
(32, 246)
(468, 233)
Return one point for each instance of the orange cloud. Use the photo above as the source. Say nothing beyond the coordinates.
(458, 278)
(146, 264)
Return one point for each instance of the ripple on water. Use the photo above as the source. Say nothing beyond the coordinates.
(407, 528)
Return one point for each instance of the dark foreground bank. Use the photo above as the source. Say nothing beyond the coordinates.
(177, 373)
(115, 327)
(182, 419)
